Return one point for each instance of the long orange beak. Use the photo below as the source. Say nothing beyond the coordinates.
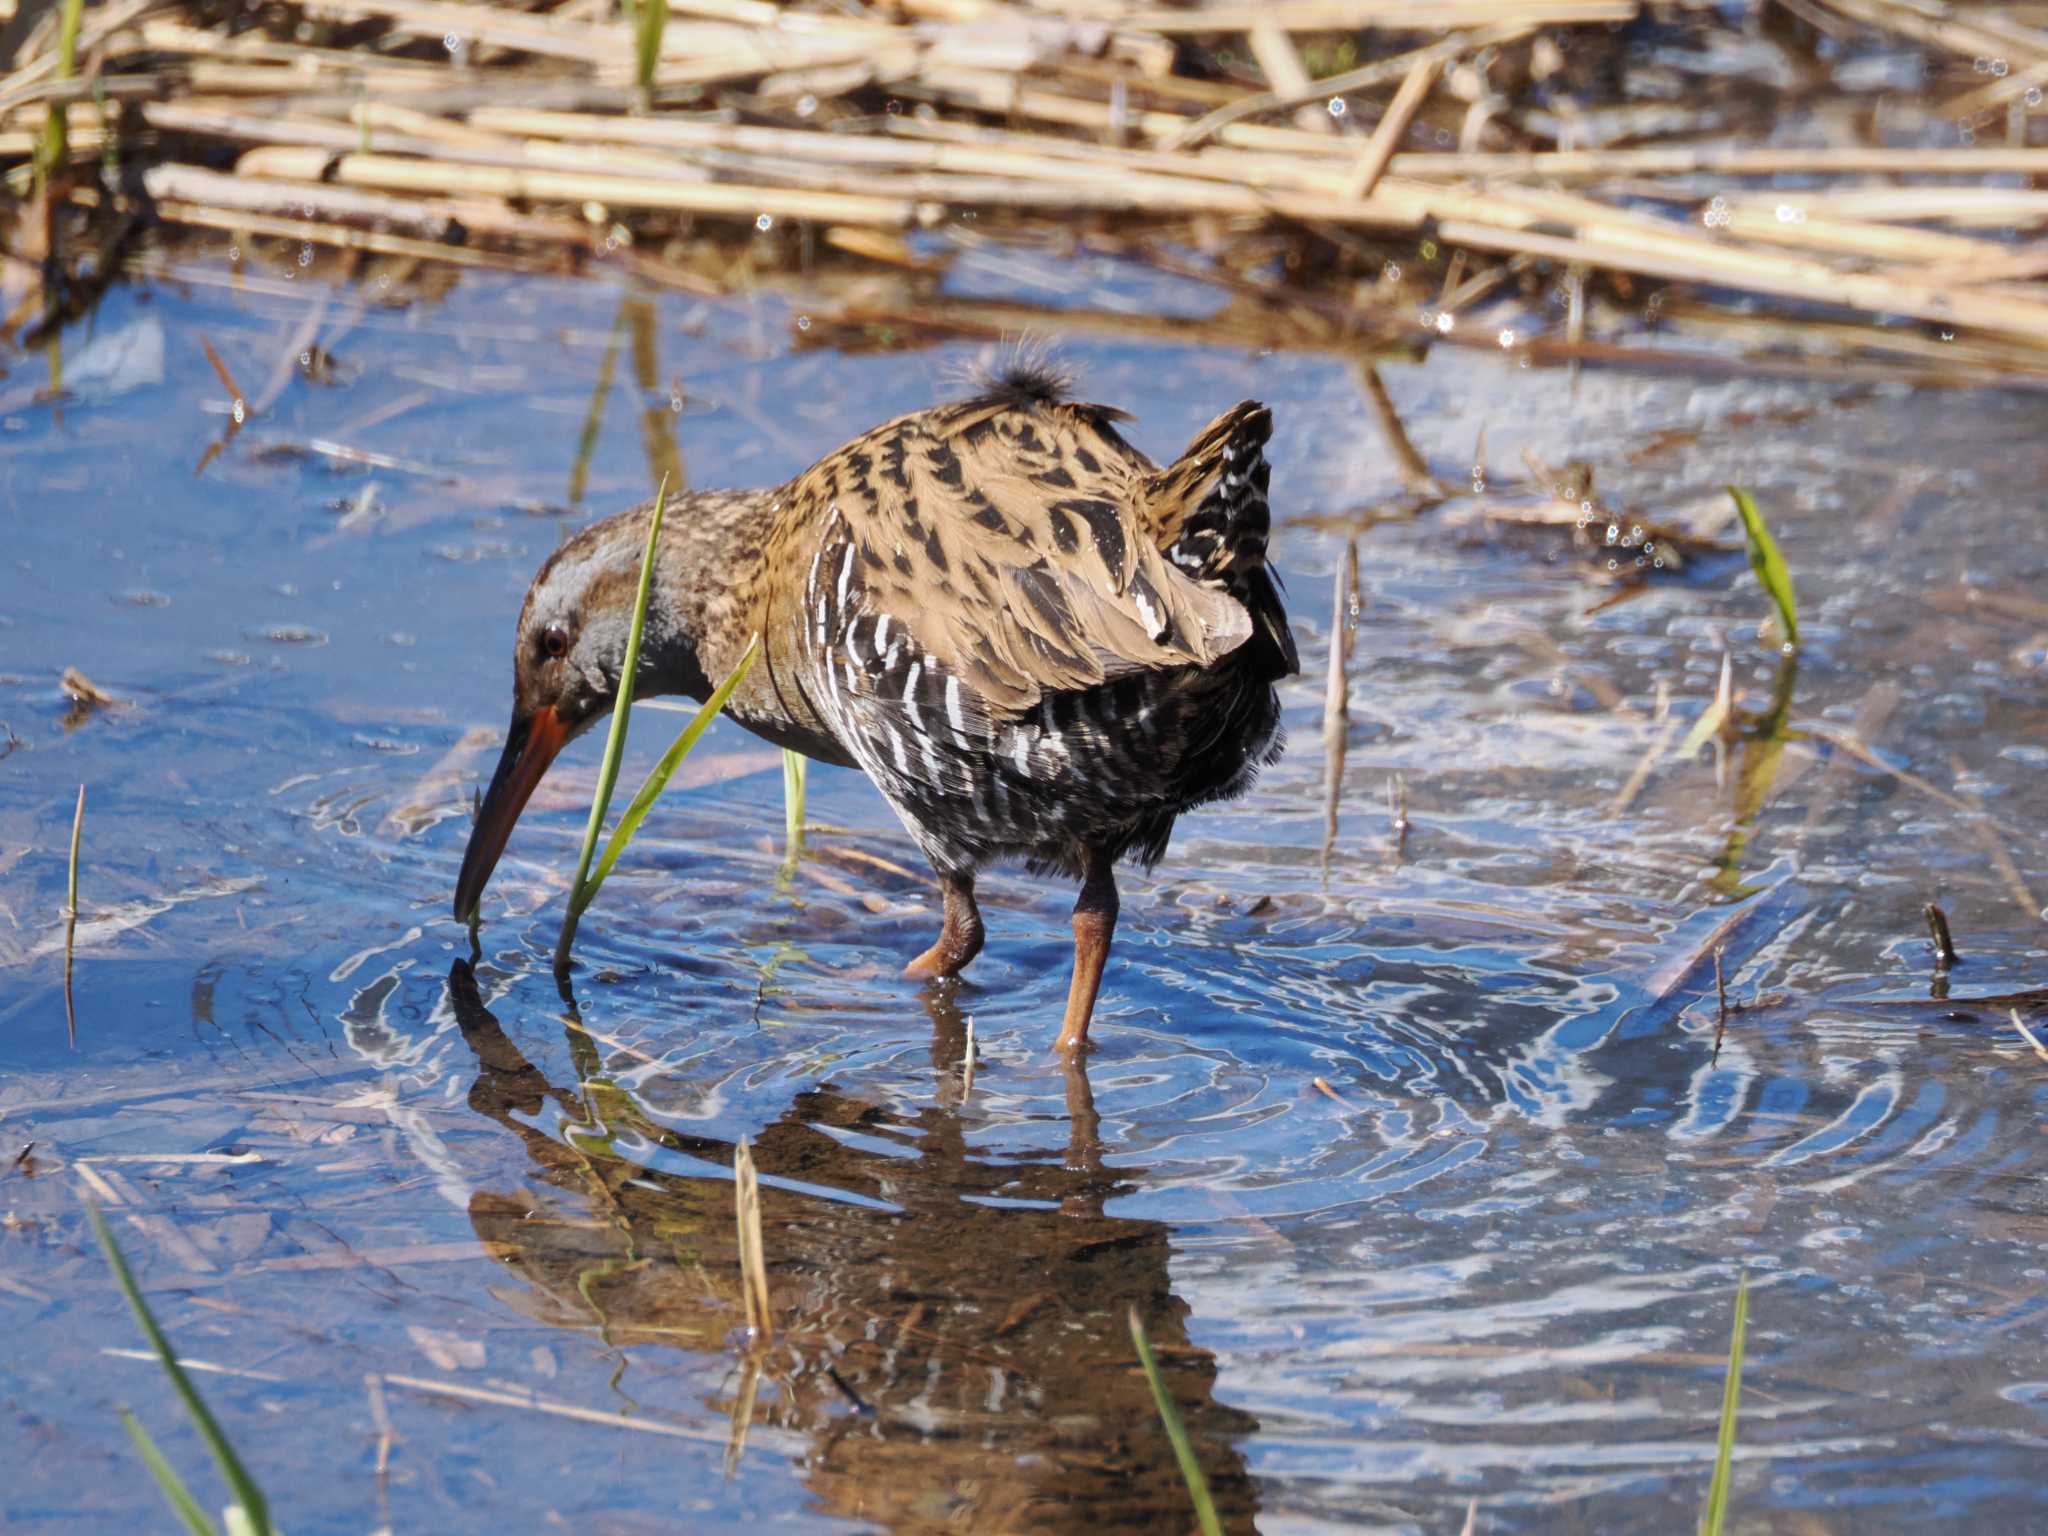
(530, 746)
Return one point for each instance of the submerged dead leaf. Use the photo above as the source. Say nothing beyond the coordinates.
(448, 1351)
(83, 690)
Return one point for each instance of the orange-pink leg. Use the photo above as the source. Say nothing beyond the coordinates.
(959, 940)
(1094, 926)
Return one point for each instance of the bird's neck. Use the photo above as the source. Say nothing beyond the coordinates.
(720, 580)
(706, 597)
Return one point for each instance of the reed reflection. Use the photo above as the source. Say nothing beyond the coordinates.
(955, 1364)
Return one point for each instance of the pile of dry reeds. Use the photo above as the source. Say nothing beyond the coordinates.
(497, 134)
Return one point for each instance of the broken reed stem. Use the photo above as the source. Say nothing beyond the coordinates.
(2020, 1025)
(1721, 998)
(237, 401)
(749, 1389)
(753, 1256)
(1944, 944)
(71, 920)
(1386, 138)
(967, 1064)
(71, 884)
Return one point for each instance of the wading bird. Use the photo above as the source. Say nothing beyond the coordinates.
(1037, 643)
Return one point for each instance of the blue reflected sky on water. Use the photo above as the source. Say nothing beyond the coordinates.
(1412, 1149)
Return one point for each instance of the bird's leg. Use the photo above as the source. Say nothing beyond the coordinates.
(1094, 924)
(960, 939)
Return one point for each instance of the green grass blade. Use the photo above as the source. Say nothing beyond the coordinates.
(614, 741)
(56, 121)
(1183, 1449)
(175, 1493)
(795, 779)
(240, 1484)
(1768, 564)
(1716, 1511)
(664, 770)
(647, 28)
(1704, 729)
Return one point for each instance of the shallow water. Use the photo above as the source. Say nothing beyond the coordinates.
(1409, 1147)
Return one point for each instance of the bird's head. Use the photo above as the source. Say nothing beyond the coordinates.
(566, 660)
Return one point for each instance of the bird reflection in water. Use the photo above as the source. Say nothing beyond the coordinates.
(954, 1364)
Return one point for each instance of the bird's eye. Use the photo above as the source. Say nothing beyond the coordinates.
(554, 642)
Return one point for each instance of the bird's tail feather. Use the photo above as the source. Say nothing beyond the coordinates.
(1209, 513)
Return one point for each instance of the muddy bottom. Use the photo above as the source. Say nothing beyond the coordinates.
(1405, 1135)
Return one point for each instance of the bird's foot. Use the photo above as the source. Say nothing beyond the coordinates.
(936, 963)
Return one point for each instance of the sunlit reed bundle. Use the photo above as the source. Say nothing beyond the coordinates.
(696, 143)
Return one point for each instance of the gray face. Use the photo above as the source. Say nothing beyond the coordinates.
(572, 633)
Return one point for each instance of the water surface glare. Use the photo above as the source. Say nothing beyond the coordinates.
(1405, 1134)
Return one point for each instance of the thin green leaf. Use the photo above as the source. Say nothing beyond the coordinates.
(175, 1493)
(1183, 1449)
(795, 778)
(1704, 729)
(56, 121)
(1768, 564)
(1716, 1512)
(664, 770)
(240, 1484)
(615, 738)
(647, 28)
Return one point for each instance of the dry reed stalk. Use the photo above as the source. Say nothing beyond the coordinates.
(1720, 1001)
(1727, 160)
(1790, 224)
(428, 126)
(1872, 292)
(1348, 15)
(1985, 99)
(1977, 207)
(533, 1402)
(391, 173)
(753, 1255)
(894, 201)
(1392, 128)
(1280, 330)
(1141, 76)
(2002, 264)
(449, 131)
(2027, 1034)
(204, 77)
(80, 139)
(1286, 75)
(376, 243)
(166, 35)
(255, 193)
(910, 151)
(93, 35)
(1363, 78)
(1832, 337)
(606, 46)
(1979, 37)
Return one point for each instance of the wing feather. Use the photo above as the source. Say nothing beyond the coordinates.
(1007, 542)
